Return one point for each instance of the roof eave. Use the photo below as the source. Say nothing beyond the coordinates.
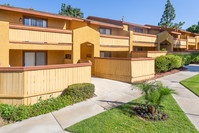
(34, 12)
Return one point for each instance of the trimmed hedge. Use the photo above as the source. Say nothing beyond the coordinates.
(168, 62)
(161, 64)
(81, 91)
(75, 93)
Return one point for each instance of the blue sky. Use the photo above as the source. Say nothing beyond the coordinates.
(135, 11)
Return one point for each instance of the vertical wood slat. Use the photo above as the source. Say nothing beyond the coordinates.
(31, 84)
(126, 70)
(114, 41)
(39, 36)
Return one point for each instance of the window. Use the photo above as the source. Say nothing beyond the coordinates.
(35, 58)
(138, 49)
(67, 56)
(105, 31)
(105, 54)
(139, 30)
(35, 22)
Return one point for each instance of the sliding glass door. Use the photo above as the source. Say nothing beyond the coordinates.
(35, 58)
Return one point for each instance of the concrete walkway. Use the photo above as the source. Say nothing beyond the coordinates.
(109, 94)
(187, 100)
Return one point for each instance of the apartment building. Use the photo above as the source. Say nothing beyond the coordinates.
(34, 38)
(152, 38)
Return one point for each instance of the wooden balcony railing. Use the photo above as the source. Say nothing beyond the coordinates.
(180, 42)
(192, 40)
(112, 40)
(144, 38)
(29, 34)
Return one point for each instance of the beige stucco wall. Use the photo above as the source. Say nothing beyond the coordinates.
(85, 35)
(13, 18)
(4, 47)
(55, 57)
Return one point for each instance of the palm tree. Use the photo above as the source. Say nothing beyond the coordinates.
(154, 94)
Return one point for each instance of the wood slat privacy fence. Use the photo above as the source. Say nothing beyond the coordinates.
(148, 54)
(25, 85)
(125, 69)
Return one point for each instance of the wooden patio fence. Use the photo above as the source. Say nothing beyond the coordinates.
(25, 85)
(125, 69)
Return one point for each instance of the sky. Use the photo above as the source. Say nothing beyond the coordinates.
(134, 11)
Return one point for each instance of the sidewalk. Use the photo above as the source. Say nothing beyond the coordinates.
(109, 94)
(187, 100)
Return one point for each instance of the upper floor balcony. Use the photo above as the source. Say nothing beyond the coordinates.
(192, 40)
(114, 41)
(180, 43)
(144, 39)
(37, 35)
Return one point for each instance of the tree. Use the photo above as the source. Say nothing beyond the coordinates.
(77, 13)
(168, 17)
(194, 28)
(6, 4)
(178, 25)
(69, 11)
(154, 94)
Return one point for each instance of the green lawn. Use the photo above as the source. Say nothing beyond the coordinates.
(123, 120)
(192, 84)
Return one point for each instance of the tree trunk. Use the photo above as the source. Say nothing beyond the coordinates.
(151, 109)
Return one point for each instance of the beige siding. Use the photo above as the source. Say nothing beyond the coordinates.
(192, 40)
(140, 38)
(26, 87)
(126, 70)
(139, 54)
(148, 54)
(142, 70)
(114, 41)
(113, 69)
(20, 35)
(178, 42)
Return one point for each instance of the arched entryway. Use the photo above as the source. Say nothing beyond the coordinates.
(165, 45)
(87, 53)
(165, 41)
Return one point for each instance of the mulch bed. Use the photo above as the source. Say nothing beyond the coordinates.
(148, 119)
(159, 75)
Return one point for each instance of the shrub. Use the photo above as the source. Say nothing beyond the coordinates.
(161, 64)
(195, 59)
(168, 62)
(164, 49)
(75, 93)
(174, 61)
(81, 91)
(187, 59)
(195, 53)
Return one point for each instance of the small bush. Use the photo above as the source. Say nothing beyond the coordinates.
(161, 64)
(187, 59)
(164, 49)
(195, 59)
(75, 93)
(81, 91)
(195, 53)
(174, 61)
(168, 62)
